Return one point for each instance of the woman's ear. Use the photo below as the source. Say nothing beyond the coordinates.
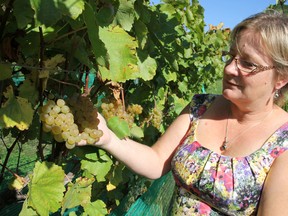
(281, 83)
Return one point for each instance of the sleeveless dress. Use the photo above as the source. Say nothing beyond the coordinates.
(212, 184)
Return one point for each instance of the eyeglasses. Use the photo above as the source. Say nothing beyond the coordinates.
(245, 66)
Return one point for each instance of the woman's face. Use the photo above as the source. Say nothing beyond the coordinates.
(240, 86)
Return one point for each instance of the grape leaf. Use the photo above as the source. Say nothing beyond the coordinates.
(5, 71)
(98, 46)
(126, 14)
(42, 8)
(141, 33)
(16, 111)
(27, 210)
(121, 48)
(72, 8)
(119, 127)
(137, 132)
(98, 166)
(29, 90)
(46, 188)
(78, 48)
(23, 12)
(78, 193)
(97, 208)
(116, 176)
(147, 66)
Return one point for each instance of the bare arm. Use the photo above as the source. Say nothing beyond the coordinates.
(151, 162)
(274, 197)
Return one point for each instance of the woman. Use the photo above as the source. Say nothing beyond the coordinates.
(227, 152)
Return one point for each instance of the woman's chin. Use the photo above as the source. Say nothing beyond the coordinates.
(229, 94)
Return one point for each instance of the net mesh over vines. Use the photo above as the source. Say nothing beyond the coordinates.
(154, 202)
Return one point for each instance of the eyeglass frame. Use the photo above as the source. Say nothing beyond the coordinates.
(258, 68)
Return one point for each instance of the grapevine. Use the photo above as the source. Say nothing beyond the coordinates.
(72, 122)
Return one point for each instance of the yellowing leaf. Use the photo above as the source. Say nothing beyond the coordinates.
(16, 111)
(17, 183)
(50, 66)
(110, 186)
(46, 188)
(54, 61)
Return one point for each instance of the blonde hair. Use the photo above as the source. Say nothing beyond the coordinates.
(272, 27)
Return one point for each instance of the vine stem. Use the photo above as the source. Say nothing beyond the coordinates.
(9, 151)
(66, 83)
(41, 89)
(9, 170)
(69, 33)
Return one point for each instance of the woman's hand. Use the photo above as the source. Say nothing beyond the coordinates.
(105, 138)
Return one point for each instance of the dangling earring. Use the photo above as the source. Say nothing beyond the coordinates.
(277, 94)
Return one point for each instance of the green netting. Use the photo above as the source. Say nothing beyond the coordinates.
(155, 201)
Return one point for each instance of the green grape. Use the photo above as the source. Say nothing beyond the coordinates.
(74, 132)
(77, 139)
(84, 136)
(65, 109)
(56, 129)
(71, 140)
(73, 126)
(43, 116)
(59, 138)
(88, 130)
(69, 121)
(49, 120)
(65, 135)
(69, 146)
(65, 127)
(62, 116)
(69, 116)
(46, 109)
(46, 128)
(58, 121)
(53, 113)
(56, 109)
(96, 134)
(50, 103)
(90, 140)
(60, 102)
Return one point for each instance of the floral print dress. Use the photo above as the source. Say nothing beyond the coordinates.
(214, 184)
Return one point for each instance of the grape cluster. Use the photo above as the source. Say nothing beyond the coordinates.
(63, 122)
(156, 116)
(117, 109)
(86, 117)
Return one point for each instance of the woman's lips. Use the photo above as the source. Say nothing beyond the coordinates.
(231, 83)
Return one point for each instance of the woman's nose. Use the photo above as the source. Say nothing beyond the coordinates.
(231, 67)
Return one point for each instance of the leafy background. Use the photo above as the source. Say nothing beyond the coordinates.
(127, 51)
